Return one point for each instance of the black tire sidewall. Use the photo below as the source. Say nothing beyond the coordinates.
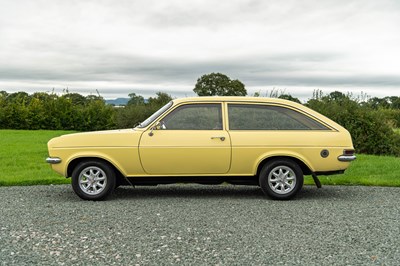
(267, 168)
(108, 170)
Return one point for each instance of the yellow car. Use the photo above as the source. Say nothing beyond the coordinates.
(271, 143)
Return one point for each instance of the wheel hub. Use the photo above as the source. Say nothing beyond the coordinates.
(282, 179)
(92, 180)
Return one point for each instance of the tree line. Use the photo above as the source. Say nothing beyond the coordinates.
(41, 110)
(73, 111)
(371, 121)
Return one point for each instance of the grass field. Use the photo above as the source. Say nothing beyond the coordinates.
(22, 158)
(23, 154)
(367, 170)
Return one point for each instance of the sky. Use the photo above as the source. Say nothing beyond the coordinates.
(146, 46)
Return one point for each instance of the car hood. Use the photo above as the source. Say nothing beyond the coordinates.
(108, 138)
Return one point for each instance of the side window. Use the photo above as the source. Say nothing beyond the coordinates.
(264, 117)
(194, 117)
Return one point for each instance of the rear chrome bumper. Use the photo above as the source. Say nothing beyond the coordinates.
(53, 160)
(346, 158)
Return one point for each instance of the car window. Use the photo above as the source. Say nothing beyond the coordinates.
(268, 117)
(194, 117)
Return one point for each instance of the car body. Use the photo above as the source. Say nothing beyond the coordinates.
(208, 140)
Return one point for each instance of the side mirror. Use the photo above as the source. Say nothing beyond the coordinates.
(157, 126)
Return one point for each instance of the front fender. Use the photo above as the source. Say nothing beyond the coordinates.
(125, 160)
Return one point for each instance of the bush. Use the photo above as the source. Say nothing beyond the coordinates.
(392, 115)
(371, 130)
(138, 110)
(49, 111)
(132, 115)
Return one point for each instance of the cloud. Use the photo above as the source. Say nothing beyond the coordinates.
(283, 70)
(148, 45)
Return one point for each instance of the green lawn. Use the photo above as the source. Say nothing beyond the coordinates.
(23, 154)
(22, 158)
(367, 170)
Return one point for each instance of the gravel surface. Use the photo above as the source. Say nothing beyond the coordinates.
(200, 225)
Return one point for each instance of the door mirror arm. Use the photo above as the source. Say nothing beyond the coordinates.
(157, 126)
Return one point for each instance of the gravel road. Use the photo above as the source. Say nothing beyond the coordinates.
(200, 225)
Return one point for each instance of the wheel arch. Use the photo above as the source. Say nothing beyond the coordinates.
(74, 162)
(304, 167)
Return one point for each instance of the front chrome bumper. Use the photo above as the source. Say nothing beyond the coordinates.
(53, 160)
(346, 158)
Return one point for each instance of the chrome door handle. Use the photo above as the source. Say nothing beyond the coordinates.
(221, 138)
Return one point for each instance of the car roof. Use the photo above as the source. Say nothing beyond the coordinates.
(232, 99)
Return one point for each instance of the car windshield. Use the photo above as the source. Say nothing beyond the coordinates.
(149, 120)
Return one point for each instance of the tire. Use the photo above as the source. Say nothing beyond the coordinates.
(93, 180)
(281, 179)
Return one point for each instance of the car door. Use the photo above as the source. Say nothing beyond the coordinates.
(191, 139)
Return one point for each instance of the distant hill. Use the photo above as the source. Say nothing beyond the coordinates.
(118, 101)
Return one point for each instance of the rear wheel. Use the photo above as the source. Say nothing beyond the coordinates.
(281, 179)
(93, 180)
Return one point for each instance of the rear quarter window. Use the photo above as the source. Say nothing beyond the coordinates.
(269, 117)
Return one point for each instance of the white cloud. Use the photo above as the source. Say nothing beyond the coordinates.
(151, 45)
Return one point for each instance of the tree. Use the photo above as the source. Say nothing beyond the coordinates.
(161, 99)
(135, 99)
(289, 97)
(395, 102)
(20, 97)
(336, 96)
(219, 84)
(3, 94)
(75, 98)
(137, 110)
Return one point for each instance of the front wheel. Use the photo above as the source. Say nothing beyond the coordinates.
(281, 179)
(93, 180)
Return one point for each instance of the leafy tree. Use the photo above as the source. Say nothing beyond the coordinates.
(92, 97)
(161, 99)
(97, 115)
(289, 97)
(135, 99)
(3, 94)
(132, 114)
(18, 97)
(76, 98)
(219, 84)
(336, 96)
(377, 103)
(394, 102)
